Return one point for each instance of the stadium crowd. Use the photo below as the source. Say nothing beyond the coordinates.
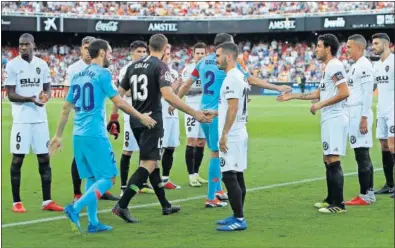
(189, 8)
(277, 61)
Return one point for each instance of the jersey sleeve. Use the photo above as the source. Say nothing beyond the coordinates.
(11, 75)
(243, 70)
(107, 85)
(367, 81)
(195, 72)
(164, 77)
(121, 75)
(233, 88)
(185, 74)
(46, 74)
(337, 73)
(124, 82)
(69, 97)
(67, 81)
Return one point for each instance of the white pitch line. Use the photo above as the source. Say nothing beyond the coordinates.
(278, 185)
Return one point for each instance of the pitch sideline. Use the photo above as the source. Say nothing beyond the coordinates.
(277, 185)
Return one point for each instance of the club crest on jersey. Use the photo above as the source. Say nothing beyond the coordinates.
(387, 68)
(325, 145)
(353, 139)
(338, 76)
(222, 162)
(168, 76)
(350, 82)
(38, 70)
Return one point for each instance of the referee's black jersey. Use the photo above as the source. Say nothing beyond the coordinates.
(145, 78)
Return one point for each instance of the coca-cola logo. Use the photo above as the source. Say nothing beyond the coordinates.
(110, 26)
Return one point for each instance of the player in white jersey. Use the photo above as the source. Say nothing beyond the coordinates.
(332, 95)
(171, 126)
(28, 86)
(360, 82)
(195, 137)
(384, 72)
(232, 119)
(138, 50)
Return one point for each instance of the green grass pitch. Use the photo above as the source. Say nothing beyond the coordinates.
(284, 147)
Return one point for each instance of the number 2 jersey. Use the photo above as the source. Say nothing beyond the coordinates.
(28, 79)
(88, 91)
(211, 78)
(145, 78)
(235, 86)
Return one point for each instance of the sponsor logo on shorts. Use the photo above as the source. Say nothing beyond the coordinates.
(38, 70)
(222, 162)
(353, 139)
(392, 129)
(325, 145)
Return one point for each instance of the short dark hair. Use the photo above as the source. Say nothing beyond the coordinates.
(383, 36)
(157, 42)
(199, 45)
(222, 38)
(95, 47)
(27, 36)
(331, 41)
(87, 40)
(229, 47)
(138, 43)
(358, 38)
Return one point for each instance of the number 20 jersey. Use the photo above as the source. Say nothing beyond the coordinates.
(88, 91)
(211, 78)
(145, 78)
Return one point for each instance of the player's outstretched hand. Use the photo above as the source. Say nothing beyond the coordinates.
(201, 117)
(34, 100)
(171, 110)
(315, 107)
(222, 144)
(147, 120)
(284, 97)
(54, 145)
(113, 126)
(284, 88)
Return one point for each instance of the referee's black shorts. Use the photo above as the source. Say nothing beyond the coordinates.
(149, 141)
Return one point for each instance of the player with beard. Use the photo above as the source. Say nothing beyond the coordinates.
(332, 95)
(384, 72)
(92, 148)
(28, 86)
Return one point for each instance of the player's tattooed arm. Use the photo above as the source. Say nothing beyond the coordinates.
(252, 80)
(14, 97)
(303, 96)
(184, 88)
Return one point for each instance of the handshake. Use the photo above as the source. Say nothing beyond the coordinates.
(114, 128)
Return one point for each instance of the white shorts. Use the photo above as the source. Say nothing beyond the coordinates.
(26, 135)
(334, 135)
(385, 126)
(357, 139)
(236, 157)
(129, 141)
(192, 126)
(171, 135)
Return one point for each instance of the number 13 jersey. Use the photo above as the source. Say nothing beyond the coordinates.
(145, 78)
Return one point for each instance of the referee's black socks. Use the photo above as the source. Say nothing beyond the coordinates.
(337, 183)
(135, 183)
(157, 184)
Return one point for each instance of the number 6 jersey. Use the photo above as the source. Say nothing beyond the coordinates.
(145, 78)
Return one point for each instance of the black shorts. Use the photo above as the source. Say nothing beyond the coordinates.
(149, 141)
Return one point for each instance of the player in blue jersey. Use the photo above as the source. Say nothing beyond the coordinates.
(92, 149)
(211, 78)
